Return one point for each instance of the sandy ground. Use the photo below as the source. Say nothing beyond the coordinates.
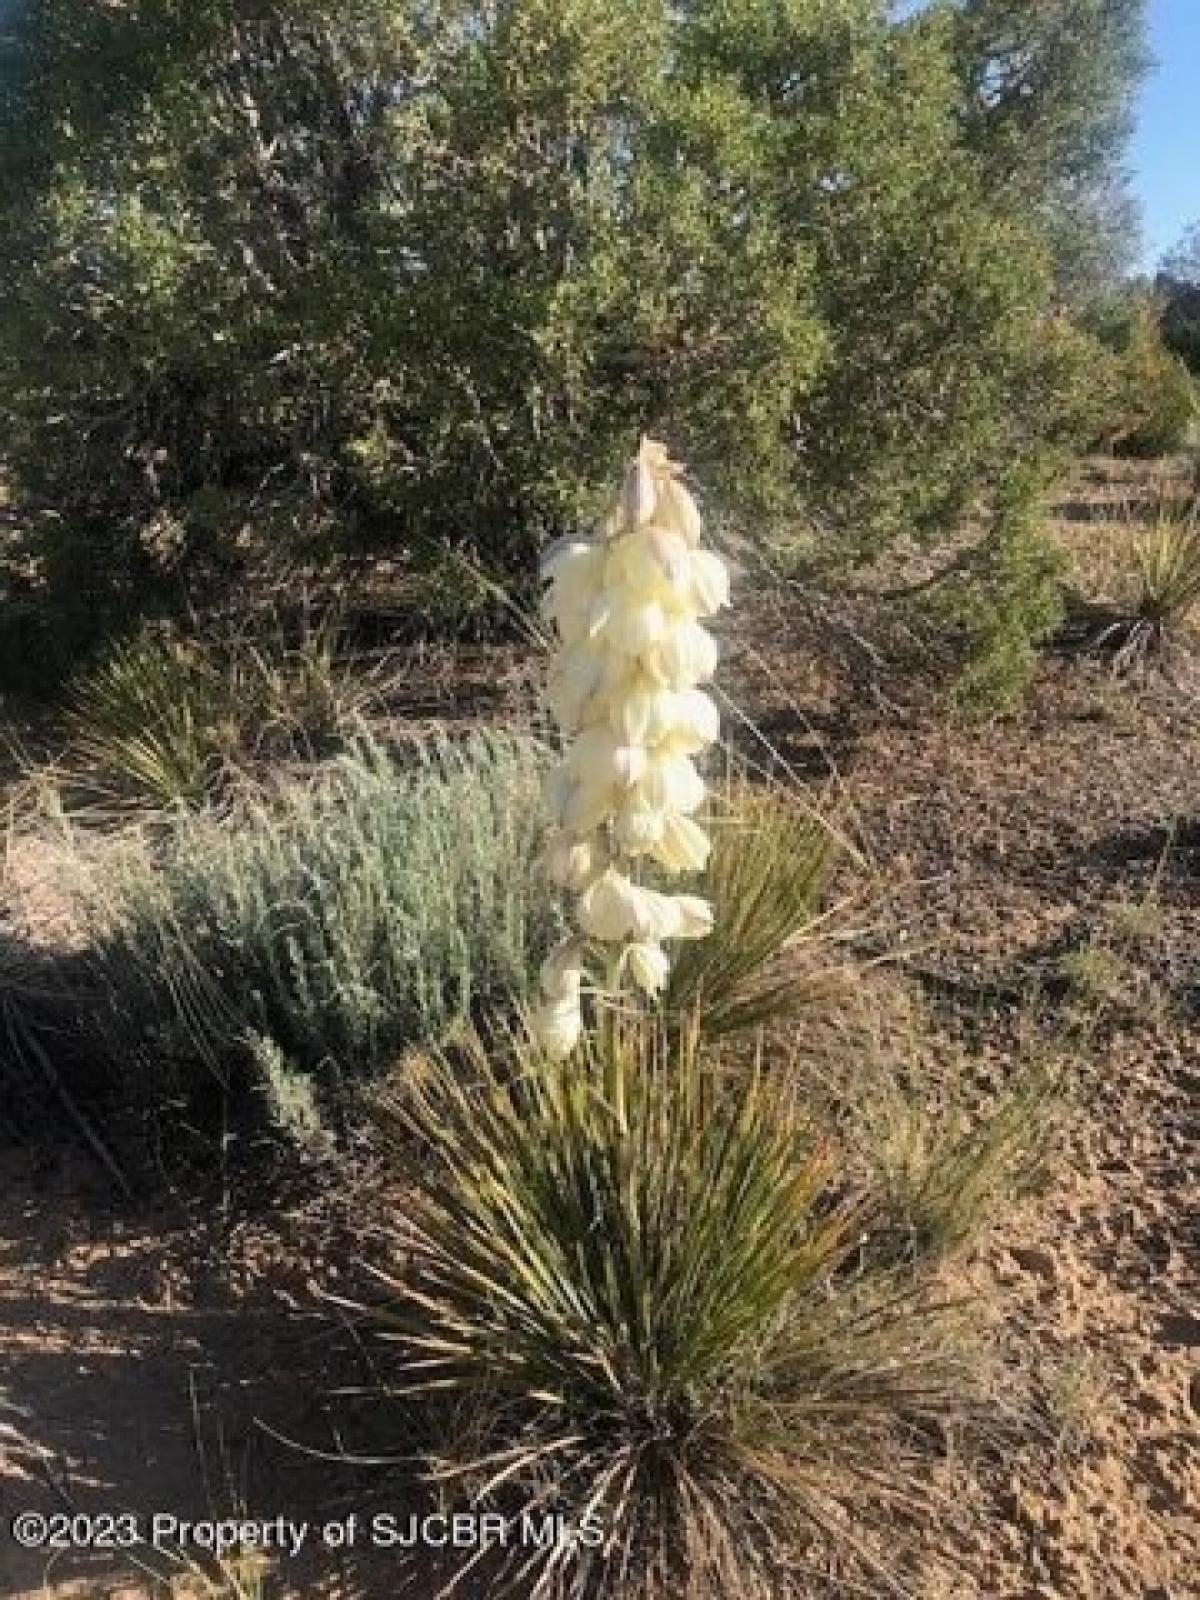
(160, 1358)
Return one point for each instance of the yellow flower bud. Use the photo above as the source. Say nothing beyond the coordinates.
(694, 722)
(678, 509)
(695, 917)
(631, 626)
(640, 494)
(670, 783)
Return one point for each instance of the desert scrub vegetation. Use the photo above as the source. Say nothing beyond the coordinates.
(637, 1292)
(341, 917)
(945, 1159)
(165, 720)
(306, 936)
(221, 348)
(1150, 625)
(1168, 563)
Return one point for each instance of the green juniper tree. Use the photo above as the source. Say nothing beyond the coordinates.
(1048, 110)
(1178, 285)
(285, 277)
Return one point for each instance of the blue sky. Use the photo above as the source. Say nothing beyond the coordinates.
(1166, 149)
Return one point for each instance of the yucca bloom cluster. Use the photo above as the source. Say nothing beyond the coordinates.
(625, 690)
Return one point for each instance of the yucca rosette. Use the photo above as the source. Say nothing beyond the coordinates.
(625, 689)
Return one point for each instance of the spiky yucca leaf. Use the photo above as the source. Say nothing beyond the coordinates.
(152, 719)
(630, 1279)
(766, 876)
(1168, 560)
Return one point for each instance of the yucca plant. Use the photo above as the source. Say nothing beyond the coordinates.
(161, 721)
(766, 879)
(1169, 567)
(1167, 557)
(632, 1289)
(153, 721)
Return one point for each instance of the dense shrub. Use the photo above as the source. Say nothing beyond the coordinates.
(292, 276)
(1178, 287)
(320, 930)
(1148, 399)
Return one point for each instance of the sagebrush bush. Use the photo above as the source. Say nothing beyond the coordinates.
(326, 924)
(633, 1280)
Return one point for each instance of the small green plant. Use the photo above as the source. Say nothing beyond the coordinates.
(766, 879)
(1161, 578)
(1096, 973)
(947, 1172)
(1168, 562)
(634, 1290)
(322, 925)
(1073, 1393)
(153, 720)
(945, 1155)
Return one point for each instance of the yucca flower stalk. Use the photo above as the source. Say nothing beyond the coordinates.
(625, 690)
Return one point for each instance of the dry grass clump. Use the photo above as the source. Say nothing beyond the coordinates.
(945, 1154)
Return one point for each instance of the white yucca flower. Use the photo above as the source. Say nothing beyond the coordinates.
(628, 606)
